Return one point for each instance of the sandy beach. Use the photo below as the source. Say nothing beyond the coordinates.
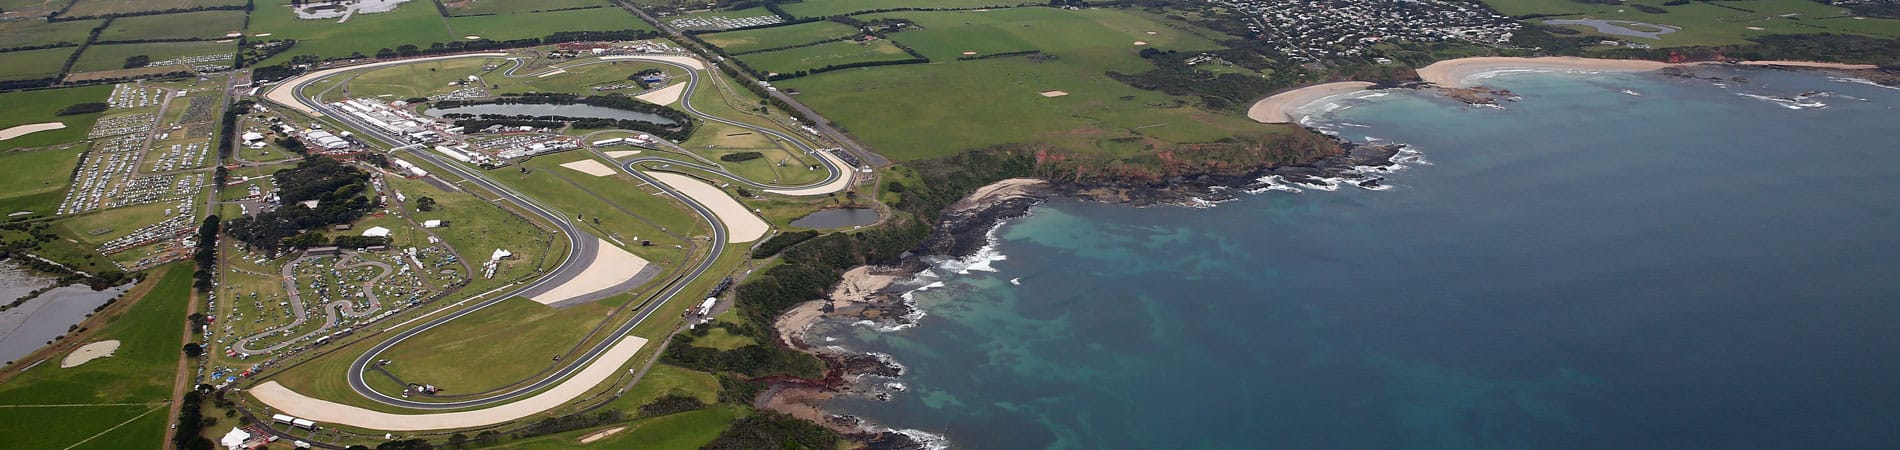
(860, 286)
(1279, 107)
(995, 192)
(1456, 73)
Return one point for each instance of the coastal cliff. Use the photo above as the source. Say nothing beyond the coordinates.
(973, 194)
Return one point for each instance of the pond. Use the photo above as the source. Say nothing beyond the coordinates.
(583, 111)
(837, 218)
(29, 326)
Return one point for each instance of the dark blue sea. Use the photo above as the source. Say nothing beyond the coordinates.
(1685, 265)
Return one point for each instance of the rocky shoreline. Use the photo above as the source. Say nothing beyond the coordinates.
(875, 295)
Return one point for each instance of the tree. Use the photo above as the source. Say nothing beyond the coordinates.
(192, 349)
(425, 204)
(137, 61)
(458, 440)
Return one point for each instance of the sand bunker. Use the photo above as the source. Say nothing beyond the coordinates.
(23, 130)
(321, 411)
(1141, 42)
(1279, 108)
(549, 74)
(741, 224)
(843, 182)
(664, 96)
(1054, 93)
(687, 61)
(471, 37)
(590, 167)
(598, 435)
(89, 352)
(610, 266)
(968, 53)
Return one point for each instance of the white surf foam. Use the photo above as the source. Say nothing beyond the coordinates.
(930, 441)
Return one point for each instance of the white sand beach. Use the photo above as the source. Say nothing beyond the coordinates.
(324, 411)
(1279, 107)
(1457, 73)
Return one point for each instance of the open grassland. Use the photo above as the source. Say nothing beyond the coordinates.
(84, 8)
(112, 56)
(628, 211)
(1711, 23)
(479, 227)
(191, 25)
(535, 25)
(33, 64)
(490, 349)
(951, 105)
(415, 23)
(37, 179)
(947, 34)
(825, 8)
(713, 140)
(30, 107)
(32, 8)
(479, 7)
(780, 36)
(418, 80)
(831, 54)
(31, 32)
(140, 372)
(580, 80)
(112, 223)
(690, 429)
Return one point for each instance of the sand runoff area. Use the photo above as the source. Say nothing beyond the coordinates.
(664, 96)
(1279, 107)
(323, 411)
(284, 93)
(89, 352)
(22, 130)
(843, 182)
(590, 167)
(610, 266)
(622, 153)
(687, 61)
(741, 224)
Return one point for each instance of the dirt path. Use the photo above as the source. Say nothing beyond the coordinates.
(181, 379)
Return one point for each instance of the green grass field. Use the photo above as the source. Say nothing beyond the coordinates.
(579, 80)
(419, 79)
(951, 106)
(690, 429)
(628, 212)
(29, 107)
(82, 8)
(39, 178)
(831, 54)
(475, 7)
(112, 56)
(534, 25)
(822, 8)
(415, 23)
(502, 344)
(140, 373)
(1711, 24)
(479, 227)
(32, 64)
(116, 222)
(781, 36)
(200, 25)
(21, 33)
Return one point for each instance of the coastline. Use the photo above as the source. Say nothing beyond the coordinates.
(1278, 108)
(1455, 77)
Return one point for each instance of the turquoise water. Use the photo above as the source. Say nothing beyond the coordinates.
(1682, 267)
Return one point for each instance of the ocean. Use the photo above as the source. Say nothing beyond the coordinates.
(1616, 261)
